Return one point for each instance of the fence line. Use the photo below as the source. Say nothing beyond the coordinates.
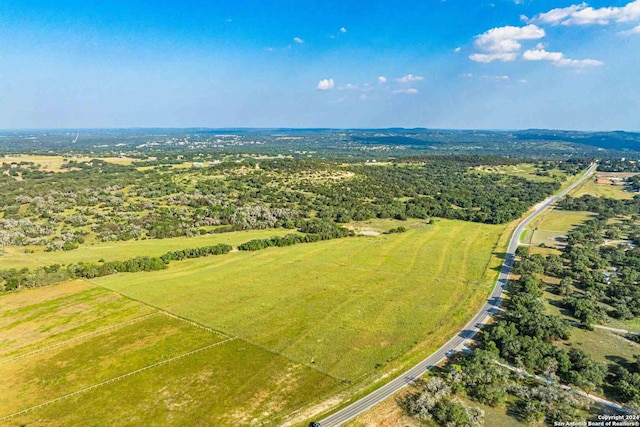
(112, 380)
(79, 337)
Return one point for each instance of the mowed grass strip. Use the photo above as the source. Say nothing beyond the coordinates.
(16, 257)
(61, 370)
(346, 306)
(35, 318)
(234, 384)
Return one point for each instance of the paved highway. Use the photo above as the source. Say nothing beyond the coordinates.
(458, 342)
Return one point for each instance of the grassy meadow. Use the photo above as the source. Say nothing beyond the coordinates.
(346, 306)
(600, 185)
(551, 227)
(134, 364)
(290, 327)
(36, 318)
(527, 171)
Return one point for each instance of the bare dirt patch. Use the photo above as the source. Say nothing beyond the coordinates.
(310, 412)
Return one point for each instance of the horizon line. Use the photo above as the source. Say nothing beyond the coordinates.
(249, 128)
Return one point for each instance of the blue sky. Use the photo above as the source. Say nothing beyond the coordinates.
(499, 64)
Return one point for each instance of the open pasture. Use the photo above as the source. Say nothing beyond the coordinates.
(525, 170)
(87, 355)
(348, 307)
(36, 318)
(290, 327)
(609, 184)
(551, 227)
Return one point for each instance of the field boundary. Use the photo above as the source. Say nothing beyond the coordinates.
(223, 334)
(166, 313)
(79, 337)
(118, 378)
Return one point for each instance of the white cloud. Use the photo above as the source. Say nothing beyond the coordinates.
(298, 40)
(363, 97)
(583, 14)
(542, 55)
(343, 30)
(557, 58)
(409, 91)
(349, 86)
(506, 39)
(409, 78)
(466, 75)
(458, 49)
(524, 81)
(490, 57)
(503, 43)
(326, 84)
(556, 16)
(382, 79)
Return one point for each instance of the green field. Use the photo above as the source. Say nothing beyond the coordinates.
(133, 364)
(343, 306)
(551, 227)
(302, 323)
(592, 187)
(603, 345)
(36, 318)
(524, 170)
(16, 257)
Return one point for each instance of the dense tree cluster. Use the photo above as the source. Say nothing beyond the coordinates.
(525, 334)
(619, 165)
(431, 400)
(98, 200)
(133, 265)
(526, 338)
(598, 280)
(316, 231)
(604, 206)
(13, 279)
(219, 249)
(634, 183)
(437, 187)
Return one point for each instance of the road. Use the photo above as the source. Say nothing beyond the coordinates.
(459, 341)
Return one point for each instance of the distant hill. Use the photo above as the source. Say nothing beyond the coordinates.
(365, 143)
(616, 140)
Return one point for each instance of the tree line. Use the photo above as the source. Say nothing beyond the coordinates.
(12, 279)
(315, 234)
